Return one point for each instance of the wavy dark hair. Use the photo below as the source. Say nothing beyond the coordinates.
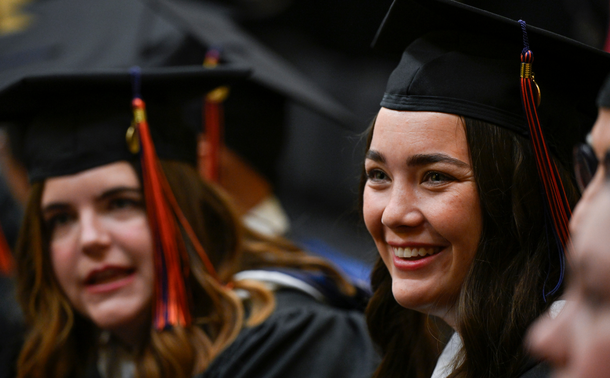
(517, 260)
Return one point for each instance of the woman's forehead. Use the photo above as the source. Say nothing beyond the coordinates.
(410, 132)
(91, 182)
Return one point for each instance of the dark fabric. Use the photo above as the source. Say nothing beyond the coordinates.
(10, 213)
(583, 20)
(302, 338)
(539, 370)
(11, 328)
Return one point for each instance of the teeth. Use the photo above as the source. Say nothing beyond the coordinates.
(414, 252)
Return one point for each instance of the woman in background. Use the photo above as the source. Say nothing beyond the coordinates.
(96, 282)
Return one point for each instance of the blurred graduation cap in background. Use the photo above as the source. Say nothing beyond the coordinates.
(88, 34)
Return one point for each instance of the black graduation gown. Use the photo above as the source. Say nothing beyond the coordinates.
(537, 370)
(302, 338)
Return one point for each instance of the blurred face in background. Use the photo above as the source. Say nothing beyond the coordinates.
(577, 342)
(101, 246)
(599, 143)
(421, 206)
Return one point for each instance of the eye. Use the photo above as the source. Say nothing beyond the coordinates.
(124, 203)
(376, 175)
(436, 178)
(57, 220)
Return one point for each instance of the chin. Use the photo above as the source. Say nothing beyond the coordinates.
(120, 317)
(423, 300)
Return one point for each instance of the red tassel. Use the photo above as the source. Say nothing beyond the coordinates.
(171, 296)
(213, 115)
(547, 170)
(165, 219)
(7, 263)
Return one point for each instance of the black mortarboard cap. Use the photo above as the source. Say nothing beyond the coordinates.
(466, 61)
(64, 123)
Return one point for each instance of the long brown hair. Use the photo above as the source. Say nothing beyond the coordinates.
(62, 343)
(516, 265)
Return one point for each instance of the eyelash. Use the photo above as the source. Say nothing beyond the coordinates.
(123, 202)
(370, 175)
(444, 178)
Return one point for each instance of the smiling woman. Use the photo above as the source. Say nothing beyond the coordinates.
(466, 188)
(419, 182)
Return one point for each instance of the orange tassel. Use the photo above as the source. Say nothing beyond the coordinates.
(165, 218)
(172, 303)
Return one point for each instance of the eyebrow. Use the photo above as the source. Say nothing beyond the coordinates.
(375, 156)
(121, 189)
(420, 159)
(425, 159)
(107, 194)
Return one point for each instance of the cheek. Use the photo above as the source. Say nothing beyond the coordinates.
(64, 261)
(458, 218)
(372, 209)
(138, 240)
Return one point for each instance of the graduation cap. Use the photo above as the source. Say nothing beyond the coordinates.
(70, 122)
(88, 34)
(462, 60)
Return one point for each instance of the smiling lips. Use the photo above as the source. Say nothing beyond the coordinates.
(415, 252)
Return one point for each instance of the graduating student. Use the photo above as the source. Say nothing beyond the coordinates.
(129, 264)
(467, 186)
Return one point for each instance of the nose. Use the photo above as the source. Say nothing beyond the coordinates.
(582, 207)
(402, 209)
(550, 339)
(94, 237)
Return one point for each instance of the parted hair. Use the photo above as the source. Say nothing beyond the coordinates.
(62, 343)
(515, 265)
